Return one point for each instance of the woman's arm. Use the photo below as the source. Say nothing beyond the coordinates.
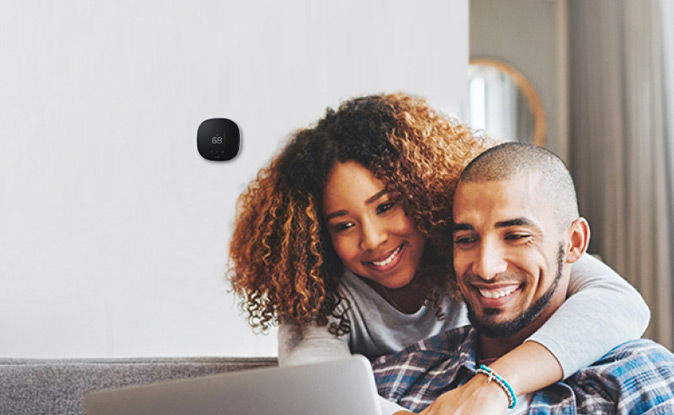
(316, 345)
(601, 312)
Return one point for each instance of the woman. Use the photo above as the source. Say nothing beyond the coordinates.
(344, 240)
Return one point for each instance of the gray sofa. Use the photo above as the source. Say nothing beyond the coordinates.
(38, 386)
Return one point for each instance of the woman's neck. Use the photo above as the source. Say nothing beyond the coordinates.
(407, 299)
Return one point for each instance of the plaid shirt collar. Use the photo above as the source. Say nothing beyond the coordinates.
(415, 376)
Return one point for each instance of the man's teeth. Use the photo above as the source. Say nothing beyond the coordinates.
(497, 293)
(387, 260)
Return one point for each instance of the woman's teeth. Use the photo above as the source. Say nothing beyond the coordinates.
(497, 293)
(387, 260)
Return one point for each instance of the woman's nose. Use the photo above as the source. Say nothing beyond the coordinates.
(373, 235)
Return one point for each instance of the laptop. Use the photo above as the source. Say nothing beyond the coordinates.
(343, 386)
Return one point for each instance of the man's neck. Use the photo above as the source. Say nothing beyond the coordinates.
(491, 348)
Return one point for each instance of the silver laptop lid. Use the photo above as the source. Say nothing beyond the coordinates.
(333, 387)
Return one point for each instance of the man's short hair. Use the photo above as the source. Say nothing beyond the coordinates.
(512, 160)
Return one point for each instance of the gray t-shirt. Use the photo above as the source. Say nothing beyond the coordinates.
(601, 312)
(371, 317)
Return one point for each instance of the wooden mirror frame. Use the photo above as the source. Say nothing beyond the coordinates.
(528, 90)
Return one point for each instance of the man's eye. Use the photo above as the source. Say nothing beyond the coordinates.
(385, 206)
(464, 241)
(517, 237)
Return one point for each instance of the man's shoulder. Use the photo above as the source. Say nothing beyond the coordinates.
(638, 351)
(637, 375)
(627, 360)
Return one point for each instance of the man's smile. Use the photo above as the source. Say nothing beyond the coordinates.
(497, 295)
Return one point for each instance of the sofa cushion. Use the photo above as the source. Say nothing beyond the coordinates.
(38, 386)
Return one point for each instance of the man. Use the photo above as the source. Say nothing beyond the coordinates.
(516, 233)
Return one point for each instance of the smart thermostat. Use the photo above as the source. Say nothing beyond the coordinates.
(218, 139)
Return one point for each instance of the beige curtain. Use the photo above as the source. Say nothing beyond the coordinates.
(621, 142)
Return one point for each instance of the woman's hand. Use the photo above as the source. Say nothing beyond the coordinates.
(477, 397)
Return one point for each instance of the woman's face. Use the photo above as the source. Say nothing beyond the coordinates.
(368, 227)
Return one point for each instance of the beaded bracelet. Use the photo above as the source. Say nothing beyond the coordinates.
(502, 383)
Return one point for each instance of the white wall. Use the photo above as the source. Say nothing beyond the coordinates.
(113, 230)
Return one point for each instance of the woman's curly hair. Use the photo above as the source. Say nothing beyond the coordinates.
(283, 265)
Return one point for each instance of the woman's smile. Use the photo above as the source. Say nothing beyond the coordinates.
(387, 262)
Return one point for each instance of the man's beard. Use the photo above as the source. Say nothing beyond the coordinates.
(527, 317)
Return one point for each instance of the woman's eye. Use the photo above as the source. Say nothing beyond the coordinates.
(342, 226)
(385, 206)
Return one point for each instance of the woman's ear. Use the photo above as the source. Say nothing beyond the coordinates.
(578, 238)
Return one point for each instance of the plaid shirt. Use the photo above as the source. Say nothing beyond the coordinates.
(636, 377)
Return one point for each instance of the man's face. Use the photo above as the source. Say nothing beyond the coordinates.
(508, 253)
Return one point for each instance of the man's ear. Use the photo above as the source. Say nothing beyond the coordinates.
(578, 238)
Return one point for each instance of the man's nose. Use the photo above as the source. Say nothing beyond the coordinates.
(373, 235)
(490, 261)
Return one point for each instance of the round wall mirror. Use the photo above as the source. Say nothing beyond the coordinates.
(503, 103)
